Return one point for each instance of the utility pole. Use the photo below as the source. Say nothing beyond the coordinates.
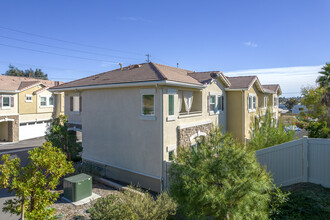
(148, 58)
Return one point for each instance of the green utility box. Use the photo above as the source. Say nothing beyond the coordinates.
(77, 187)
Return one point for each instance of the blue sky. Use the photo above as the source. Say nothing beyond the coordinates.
(281, 41)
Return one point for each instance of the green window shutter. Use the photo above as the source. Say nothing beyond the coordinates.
(170, 104)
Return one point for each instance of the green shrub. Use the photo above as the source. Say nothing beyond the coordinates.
(318, 130)
(223, 179)
(133, 204)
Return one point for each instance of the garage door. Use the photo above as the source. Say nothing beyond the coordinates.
(30, 130)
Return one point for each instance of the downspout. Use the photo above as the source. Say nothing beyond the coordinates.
(162, 139)
(243, 116)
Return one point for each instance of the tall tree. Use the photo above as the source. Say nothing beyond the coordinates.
(34, 183)
(324, 82)
(37, 73)
(312, 99)
(223, 179)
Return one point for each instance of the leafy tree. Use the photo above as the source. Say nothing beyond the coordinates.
(267, 133)
(291, 102)
(59, 135)
(312, 99)
(32, 184)
(318, 129)
(223, 179)
(37, 73)
(133, 204)
(324, 82)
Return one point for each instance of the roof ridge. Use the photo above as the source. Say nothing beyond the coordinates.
(157, 70)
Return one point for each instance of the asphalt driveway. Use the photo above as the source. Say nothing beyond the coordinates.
(19, 149)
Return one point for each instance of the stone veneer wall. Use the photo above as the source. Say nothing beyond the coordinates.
(184, 134)
(13, 127)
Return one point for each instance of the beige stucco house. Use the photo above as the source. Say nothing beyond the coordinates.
(26, 107)
(248, 99)
(133, 118)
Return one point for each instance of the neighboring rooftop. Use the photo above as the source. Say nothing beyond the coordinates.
(16, 83)
(241, 82)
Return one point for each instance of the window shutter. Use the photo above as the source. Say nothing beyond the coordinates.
(208, 103)
(80, 103)
(223, 103)
(248, 103)
(71, 103)
(12, 101)
(0, 100)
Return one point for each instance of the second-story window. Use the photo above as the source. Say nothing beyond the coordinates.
(28, 98)
(51, 101)
(43, 101)
(265, 101)
(212, 103)
(170, 104)
(252, 102)
(148, 105)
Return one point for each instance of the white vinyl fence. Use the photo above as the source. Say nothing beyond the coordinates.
(303, 160)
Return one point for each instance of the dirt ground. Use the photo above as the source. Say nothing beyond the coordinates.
(66, 210)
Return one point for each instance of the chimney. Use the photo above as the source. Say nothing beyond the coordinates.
(121, 66)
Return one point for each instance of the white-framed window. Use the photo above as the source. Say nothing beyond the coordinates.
(76, 103)
(252, 102)
(275, 101)
(265, 101)
(28, 98)
(171, 104)
(148, 104)
(43, 101)
(216, 103)
(6, 101)
(171, 150)
(51, 101)
(46, 101)
(213, 103)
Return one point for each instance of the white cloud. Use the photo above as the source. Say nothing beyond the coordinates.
(250, 44)
(291, 79)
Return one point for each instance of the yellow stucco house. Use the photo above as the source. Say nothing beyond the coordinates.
(247, 99)
(27, 107)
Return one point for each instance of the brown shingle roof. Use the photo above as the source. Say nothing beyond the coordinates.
(241, 82)
(272, 87)
(14, 83)
(135, 73)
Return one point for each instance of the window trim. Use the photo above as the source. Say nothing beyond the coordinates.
(253, 107)
(265, 101)
(73, 109)
(53, 101)
(47, 97)
(28, 96)
(277, 102)
(216, 109)
(148, 92)
(6, 107)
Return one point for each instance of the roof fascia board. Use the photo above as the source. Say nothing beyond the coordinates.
(135, 84)
(7, 91)
(239, 89)
(33, 85)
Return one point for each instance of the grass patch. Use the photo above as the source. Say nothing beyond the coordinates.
(306, 201)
